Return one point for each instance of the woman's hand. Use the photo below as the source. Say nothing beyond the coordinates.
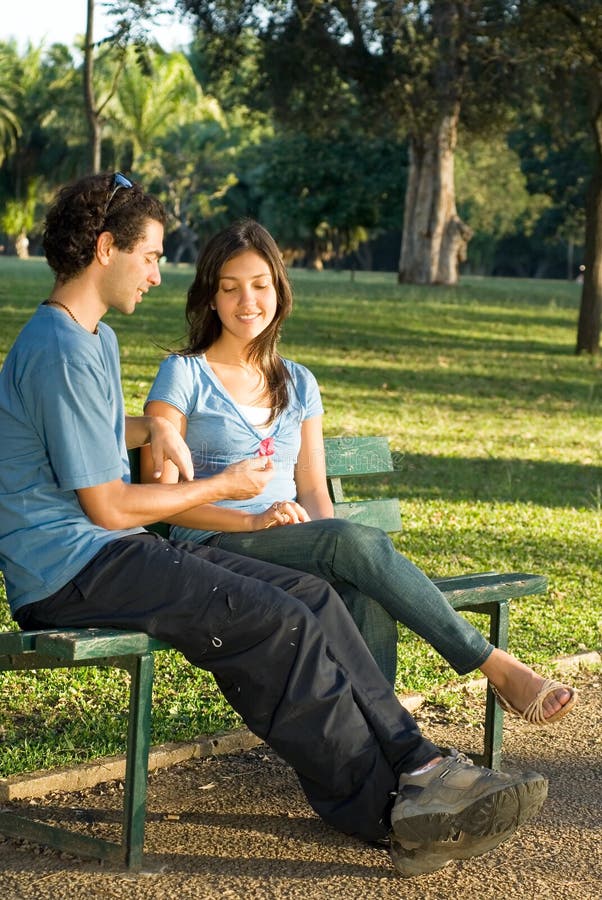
(286, 512)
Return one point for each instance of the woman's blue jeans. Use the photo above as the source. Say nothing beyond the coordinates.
(379, 586)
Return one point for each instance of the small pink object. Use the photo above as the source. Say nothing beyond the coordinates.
(266, 447)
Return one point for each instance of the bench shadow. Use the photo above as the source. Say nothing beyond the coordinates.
(493, 479)
(299, 831)
(269, 867)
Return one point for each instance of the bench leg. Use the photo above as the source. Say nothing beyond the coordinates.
(136, 773)
(494, 714)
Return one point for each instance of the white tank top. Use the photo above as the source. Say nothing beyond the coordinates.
(257, 416)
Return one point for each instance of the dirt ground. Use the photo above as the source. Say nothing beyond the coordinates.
(238, 826)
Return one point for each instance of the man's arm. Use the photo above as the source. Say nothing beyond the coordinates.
(166, 443)
(117, 505)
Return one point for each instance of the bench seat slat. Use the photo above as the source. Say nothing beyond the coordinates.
(24, 662)
(466, 591)
(13, 643)
(96, 642)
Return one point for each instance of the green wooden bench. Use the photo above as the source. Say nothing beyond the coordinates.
(487, 593)
(132, 651)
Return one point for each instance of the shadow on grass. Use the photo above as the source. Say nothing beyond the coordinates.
(371, 329)
(455, 390)
(542, 483)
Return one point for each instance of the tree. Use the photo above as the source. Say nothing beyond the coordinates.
(565, 43)
(51, 139)
(154, 96)
(177, 139)
(493, 196)
(435, 239)
(408, 68)
(553, 140)
(322, 197)
(131, 22)
(10, 127)
(17, 220)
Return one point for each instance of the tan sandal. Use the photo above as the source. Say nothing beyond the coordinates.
(534, 711)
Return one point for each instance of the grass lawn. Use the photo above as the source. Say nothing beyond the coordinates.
(496, 428)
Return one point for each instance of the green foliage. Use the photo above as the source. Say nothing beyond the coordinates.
(492, 190)
(493, 196)
(155, 100)
(323, 197)
(19, 215)
(496, 430)
(563, 40)
(132, 18)
(553, 140)
(229, 71)
(48, 98)
(10, 127)
(178, 139)
(323, 61)
(212, 151)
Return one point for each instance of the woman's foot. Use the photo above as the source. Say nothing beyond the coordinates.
(523, 692)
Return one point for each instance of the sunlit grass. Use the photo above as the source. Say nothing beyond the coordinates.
(496, 429)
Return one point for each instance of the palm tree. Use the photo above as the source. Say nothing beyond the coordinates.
(157, 93)
(10, 128)
(177, 138)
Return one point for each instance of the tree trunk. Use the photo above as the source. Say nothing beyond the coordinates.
(434, 239)
(588, 329)
(187, 241)
(89, 98)
(313, 256)
(22, 246)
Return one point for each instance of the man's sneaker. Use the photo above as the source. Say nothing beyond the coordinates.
(456, 810)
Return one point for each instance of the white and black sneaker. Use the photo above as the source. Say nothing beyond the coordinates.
(456, 810)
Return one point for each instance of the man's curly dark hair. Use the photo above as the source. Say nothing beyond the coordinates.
(85, 209)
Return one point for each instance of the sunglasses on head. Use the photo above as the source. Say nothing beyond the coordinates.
(119, 181)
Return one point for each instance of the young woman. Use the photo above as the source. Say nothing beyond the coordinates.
(232, 397)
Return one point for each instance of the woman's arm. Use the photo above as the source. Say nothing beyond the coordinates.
(209, 517)
(310, 471)
(117, 504)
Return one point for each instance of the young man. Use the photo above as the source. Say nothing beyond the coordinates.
(281, 644)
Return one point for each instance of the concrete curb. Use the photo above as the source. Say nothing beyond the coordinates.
(112, 768)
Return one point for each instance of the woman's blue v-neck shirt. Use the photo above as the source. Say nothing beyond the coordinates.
(218, 433)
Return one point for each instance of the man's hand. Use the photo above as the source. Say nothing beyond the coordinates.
(248, 477)
(166, 442)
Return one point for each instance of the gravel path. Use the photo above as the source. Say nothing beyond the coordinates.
(238, 826)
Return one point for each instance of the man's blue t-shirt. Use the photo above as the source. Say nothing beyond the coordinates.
(62, 428)
(218, 433)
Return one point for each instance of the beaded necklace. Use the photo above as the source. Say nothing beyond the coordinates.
(68, 311)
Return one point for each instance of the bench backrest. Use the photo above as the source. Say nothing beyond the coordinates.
(345, 457)
(356, 456)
